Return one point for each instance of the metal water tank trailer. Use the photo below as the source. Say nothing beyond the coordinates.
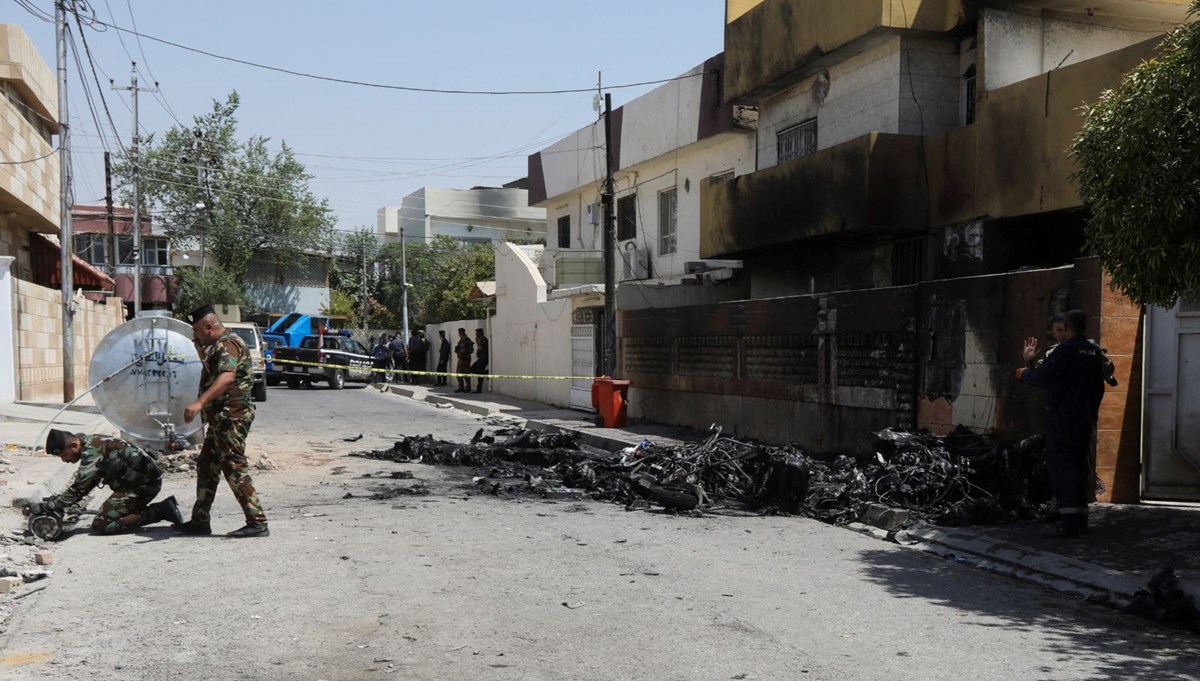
(146, 401)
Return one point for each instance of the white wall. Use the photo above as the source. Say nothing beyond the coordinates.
(492, 213)
(8, 329)
(530, 335)
(864, 96)
(931, 86)
(1019, 46)
(683, 169)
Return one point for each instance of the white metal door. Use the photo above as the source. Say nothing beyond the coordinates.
(1171, 448)
(583, 363)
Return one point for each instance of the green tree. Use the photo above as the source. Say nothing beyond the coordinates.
(441, 274)
(353, 273)
(1139, 173)
(231, 197)
(210, 286)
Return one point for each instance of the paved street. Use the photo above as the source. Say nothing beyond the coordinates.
(456, 586)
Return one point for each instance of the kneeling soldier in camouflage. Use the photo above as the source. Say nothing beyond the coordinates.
(130, 473)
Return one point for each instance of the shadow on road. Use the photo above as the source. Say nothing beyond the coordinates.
(1121, 646)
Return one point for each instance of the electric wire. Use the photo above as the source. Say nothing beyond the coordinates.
(384, 86)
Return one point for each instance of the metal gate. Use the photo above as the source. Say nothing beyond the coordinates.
(583, 363)
(1171, 448)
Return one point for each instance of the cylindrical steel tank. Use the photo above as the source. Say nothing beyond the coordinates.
(146, 401)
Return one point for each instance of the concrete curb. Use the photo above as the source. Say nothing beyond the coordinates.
(431, 398)
(1050, 569)
(604, 442)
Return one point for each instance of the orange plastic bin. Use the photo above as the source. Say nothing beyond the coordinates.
(609, 397)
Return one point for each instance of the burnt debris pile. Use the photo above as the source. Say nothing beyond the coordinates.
(958, 479)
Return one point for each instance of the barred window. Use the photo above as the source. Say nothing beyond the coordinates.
(797, 141)
(667, 213)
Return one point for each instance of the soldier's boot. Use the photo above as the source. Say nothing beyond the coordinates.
(195, 527)
(253, 529)
(168, 510)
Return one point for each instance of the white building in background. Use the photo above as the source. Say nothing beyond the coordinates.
(665, 143)
(476, 215)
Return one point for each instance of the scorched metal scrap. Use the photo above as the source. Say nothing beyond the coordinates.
(959, 479)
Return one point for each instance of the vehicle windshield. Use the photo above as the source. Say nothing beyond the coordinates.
(269, 344)
(248, 336)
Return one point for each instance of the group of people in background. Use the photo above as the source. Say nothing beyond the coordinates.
(391, 353)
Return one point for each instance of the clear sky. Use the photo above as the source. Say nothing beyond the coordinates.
(366, 147)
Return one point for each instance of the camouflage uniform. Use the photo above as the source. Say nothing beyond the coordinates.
(129, 472)
(228, 417)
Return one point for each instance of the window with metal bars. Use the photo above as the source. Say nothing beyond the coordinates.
(796, 141)
(627, 217)
(667, 205)
(908, 261)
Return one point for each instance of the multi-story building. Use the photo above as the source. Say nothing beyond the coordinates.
(109, 248)
(476, 215)
(31, 304)
(665, 143)
(910, 219)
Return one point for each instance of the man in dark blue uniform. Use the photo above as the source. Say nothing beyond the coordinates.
(1073, 377)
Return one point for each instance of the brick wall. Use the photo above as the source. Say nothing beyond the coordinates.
(39, 340)
(1118, 436)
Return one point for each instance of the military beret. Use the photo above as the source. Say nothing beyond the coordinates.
(200, 313)
(56, 441)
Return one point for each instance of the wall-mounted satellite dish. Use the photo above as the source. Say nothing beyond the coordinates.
(147, 400)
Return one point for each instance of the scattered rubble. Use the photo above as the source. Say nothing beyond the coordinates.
(960, 479)
(1165, 600)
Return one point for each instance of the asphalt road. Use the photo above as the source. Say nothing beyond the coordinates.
(457, 586)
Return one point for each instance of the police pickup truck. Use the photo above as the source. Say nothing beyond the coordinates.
(345, 358)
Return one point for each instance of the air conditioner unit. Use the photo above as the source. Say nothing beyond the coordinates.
(636, 263)
(593, 211)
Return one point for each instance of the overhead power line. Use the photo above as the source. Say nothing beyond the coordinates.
(387, 86)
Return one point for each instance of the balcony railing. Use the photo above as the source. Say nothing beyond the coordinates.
(147, 270)
(576, 267)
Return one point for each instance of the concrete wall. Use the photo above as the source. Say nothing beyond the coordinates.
(901, 85)
(531, 334)
(39, 339)
(451, 329)
(864, 96)
(1020, 46)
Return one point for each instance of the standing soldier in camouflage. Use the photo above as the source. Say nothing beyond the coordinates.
(226, 381)
(130, 473)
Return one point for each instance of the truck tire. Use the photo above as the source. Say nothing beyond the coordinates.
(293, 382)
(337, 381)
(260, 392)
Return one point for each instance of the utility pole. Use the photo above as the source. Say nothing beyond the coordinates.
(135, 162)
(108, 214)
(365, 306)
(404, 279)
(64, 206)
(610, 246)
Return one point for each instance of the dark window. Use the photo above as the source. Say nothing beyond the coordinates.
(93, 248)
(627, 217)
(564, 231)
(908, 261)
(796, 141)
(724, 176)
(667, 215)
(969, 96)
